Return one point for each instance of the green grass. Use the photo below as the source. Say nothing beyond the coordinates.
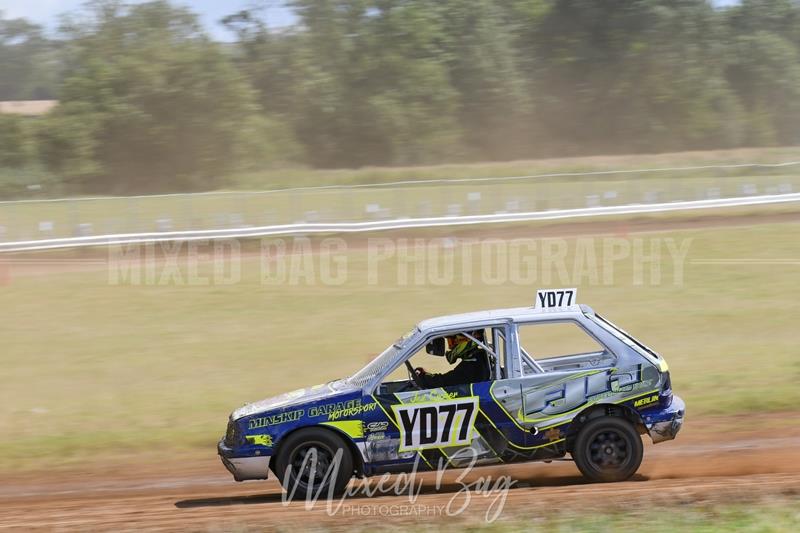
(288, 177)
(776, 516)
(91, 369)
(752, 513)
(121, 215)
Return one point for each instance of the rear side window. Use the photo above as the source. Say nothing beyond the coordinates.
(548, 340)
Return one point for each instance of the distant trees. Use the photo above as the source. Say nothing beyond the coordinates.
(406, 81)
(149, 102)
(358, 83)
(29, 66)
(764, 68)
(16, 142)
(645, 75)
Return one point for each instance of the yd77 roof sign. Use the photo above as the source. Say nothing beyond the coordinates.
(548, 298)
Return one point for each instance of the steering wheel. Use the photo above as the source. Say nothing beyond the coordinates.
(414, 376)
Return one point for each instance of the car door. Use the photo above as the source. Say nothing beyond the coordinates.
(502, 402)
(559, 369)
(438, 426)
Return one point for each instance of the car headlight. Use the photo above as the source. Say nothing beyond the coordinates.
(232, 434)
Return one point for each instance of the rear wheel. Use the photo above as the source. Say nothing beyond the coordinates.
(314, 462)
(608, 449)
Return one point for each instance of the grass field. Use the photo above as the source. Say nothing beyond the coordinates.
(281, 178)
(782, 515)
(92, 368)
(20, 221)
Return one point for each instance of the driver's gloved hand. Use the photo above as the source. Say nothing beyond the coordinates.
(420, 371)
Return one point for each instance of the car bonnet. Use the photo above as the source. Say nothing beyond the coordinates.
(296, 397)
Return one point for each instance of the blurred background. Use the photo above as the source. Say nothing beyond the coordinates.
(336, 111)
(140, 117)
(113, 97)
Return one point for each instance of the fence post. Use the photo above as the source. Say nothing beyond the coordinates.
(133, 220)
(188, 211)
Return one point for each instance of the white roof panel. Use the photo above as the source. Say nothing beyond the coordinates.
(517, 314)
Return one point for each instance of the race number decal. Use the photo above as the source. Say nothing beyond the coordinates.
(555, 298)
(436, 424)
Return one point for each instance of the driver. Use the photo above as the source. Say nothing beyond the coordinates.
(473, 368)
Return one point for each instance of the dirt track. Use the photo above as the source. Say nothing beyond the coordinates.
(706, 466)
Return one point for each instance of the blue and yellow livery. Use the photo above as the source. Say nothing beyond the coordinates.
(562, 381)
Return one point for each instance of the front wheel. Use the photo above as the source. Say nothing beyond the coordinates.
(314, 462)
(608, 449)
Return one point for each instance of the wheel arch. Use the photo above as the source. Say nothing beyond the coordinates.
(358, 458)
(601, 410)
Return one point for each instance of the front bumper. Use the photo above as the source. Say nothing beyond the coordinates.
(243, 468)
(666, 423)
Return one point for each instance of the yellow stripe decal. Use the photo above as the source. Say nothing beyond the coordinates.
(259, 440)
(637, 396)
(557, 382)
(351, 428)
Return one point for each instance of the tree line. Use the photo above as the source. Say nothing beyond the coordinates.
(148, 101)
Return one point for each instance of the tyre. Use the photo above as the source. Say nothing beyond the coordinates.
(320, 461)
(608, 449)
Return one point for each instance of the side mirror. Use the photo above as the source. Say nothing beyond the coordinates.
(435, 347)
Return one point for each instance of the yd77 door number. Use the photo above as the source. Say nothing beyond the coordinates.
(436, 425)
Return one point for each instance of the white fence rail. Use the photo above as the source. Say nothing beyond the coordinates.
(392, 224)
(41, 224)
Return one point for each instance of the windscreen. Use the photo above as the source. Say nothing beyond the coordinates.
(378, 365)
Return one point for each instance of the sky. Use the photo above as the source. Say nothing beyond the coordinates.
(45, 12)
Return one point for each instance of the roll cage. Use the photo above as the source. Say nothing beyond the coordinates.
(513, 362)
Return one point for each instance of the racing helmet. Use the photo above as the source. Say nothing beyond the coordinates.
(459, 346)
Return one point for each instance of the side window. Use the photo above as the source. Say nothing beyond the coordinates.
(558, 346)
(492, 337)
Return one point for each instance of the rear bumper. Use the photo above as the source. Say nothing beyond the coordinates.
(666, 423)
(243, 468)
